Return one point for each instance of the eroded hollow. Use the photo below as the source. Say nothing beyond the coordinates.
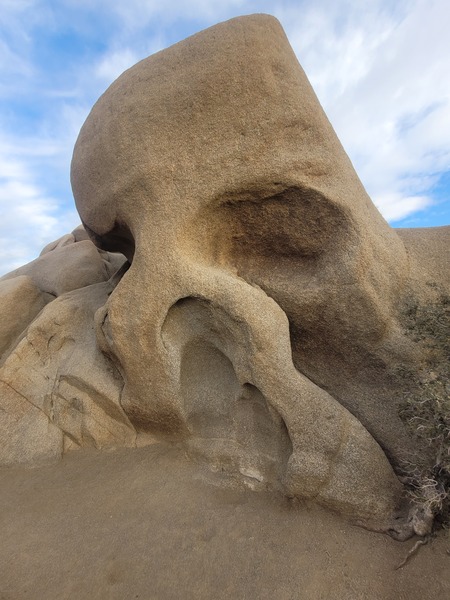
(262, 233)
(118, 239)
(231, 424)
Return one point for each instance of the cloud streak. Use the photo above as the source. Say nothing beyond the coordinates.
(29, 217)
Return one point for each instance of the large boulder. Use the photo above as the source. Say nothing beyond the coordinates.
(268, 321)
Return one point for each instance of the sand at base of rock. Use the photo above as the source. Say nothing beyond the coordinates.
(148, 524)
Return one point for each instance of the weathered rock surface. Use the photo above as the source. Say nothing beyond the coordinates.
(20, 301)
(68, 266)
(261, 323)
(57, 389)
(57, 378)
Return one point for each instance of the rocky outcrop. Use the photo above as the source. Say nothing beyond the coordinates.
(57, 389)
(260, 323)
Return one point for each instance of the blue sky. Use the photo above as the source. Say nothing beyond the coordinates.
(380, 68)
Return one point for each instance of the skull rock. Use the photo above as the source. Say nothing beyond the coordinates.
(260, 308)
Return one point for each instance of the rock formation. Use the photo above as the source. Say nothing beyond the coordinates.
(265, 317)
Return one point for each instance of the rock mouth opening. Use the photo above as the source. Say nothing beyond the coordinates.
(230, 422)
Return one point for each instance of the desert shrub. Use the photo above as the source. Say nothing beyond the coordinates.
(426, 410)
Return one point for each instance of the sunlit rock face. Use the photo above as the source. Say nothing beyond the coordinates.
(57, 390)
(266, 320)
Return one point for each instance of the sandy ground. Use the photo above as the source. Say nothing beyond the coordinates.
(149, 524)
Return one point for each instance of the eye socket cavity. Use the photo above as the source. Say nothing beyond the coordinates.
(294, 223)
(252, 232)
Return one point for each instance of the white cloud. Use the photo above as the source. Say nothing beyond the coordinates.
(29, 218)
(138, 14)
(394, 206)
(116, 59)
(11, 62)
(114, 64)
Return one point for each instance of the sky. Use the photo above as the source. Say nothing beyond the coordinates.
(381, 70)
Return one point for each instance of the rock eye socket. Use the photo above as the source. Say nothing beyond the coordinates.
(291, 230)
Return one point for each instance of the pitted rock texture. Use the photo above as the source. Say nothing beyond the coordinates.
(259, 323)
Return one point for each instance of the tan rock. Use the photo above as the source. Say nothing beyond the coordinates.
(20, 302)
(69, 263)
(213, 168)
(64, 240)
(263, 322)
(57, 380)
(27, 436)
